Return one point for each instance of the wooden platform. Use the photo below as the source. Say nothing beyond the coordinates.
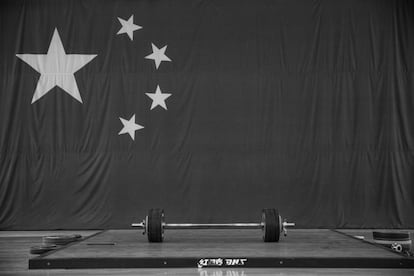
(221, 248)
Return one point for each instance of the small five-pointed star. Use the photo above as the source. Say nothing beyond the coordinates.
(158, 55)
(128, 27)
(158, 98)
(129, 127)
(56, 68)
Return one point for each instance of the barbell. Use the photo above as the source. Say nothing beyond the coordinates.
(271, 225)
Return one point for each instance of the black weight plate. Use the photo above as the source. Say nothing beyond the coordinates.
(155, 225)
(391, 236)
(278, 224)
(59, 239)
(42, 249)
(271, 228)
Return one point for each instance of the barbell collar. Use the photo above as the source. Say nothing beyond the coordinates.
(138, 225)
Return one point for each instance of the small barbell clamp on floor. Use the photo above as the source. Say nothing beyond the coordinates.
(271, 225)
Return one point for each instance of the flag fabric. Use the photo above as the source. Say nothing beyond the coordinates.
(209, 109)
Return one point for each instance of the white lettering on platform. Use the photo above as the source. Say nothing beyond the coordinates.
(219, 262)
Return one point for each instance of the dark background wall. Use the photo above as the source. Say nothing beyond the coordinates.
(307, 106)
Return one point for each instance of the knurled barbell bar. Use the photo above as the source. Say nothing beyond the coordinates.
(271, 225)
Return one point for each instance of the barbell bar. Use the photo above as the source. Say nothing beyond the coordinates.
(271, 225)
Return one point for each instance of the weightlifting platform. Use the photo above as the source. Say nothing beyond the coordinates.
(302, 248)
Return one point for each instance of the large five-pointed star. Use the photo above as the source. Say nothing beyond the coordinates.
(129, 127)
(158, 55)
(128, 27)
(158, 98)
(56, 68)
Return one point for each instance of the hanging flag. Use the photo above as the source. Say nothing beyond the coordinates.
(211, 110)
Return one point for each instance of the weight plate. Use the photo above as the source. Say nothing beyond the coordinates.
(60, 239)
(388, 242)
(42, 249)
(155, 229)
(271, 225)
(278, 224)
(391, 236)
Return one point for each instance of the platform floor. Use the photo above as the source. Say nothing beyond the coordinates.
(222, 248)
(14, 256)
